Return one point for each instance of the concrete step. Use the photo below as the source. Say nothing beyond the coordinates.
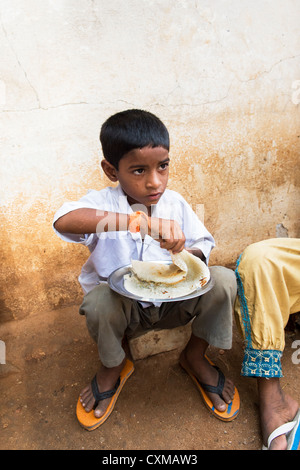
(158, 341)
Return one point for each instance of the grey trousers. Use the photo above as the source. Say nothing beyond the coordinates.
(109, 316)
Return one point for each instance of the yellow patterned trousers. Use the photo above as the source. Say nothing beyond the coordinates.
(268, 278)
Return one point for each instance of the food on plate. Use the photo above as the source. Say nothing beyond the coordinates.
(157, 280)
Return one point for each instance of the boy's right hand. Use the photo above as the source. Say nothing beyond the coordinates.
(167, 232)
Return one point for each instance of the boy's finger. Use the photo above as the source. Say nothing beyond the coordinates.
(178, 247)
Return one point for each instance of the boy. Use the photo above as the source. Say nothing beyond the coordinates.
(135, 146)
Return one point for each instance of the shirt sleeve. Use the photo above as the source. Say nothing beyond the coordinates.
(197, 236)
(92, 200)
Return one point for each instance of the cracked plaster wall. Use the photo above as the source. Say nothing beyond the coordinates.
(223, 75)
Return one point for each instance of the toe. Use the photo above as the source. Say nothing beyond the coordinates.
(98, 413)
(101, 408)
(227, 396)
(228, 391)
(219, 404)
(88, 405)
(87, 399)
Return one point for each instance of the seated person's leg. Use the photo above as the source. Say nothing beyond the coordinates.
(212, 325)
(268, 291)
(108, 315)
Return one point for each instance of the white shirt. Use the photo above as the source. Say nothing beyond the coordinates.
(112, 250)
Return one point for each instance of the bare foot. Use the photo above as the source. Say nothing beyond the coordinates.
(106, 380)
(276, 408)
(193, 358)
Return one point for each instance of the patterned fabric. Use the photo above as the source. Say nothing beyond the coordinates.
(262, 363)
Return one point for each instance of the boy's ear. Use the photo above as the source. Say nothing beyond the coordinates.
(109, 170)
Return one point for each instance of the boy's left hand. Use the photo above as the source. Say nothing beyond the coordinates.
(168, 233)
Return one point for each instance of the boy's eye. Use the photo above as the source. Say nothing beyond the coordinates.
(163, 166)
(138, 171)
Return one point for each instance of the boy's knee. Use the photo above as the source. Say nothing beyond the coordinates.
(225, 281)
(98, 301)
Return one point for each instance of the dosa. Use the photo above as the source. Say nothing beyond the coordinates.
(154, 280)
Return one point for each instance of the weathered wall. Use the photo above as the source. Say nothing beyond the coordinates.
(223, 75)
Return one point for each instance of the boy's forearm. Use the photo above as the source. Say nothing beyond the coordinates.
(91, 221)
(87, 221)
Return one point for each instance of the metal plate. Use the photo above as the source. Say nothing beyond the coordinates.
(116, 283)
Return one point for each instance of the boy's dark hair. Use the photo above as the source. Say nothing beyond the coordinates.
(131, 129)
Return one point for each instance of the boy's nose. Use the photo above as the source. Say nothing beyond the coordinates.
(153, 180)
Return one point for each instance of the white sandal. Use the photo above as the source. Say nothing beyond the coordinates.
(292, 431)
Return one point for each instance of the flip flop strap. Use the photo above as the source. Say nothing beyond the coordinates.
(103, 395)
(283, 429)
(220, 386)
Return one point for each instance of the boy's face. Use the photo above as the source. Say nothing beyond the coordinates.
(143, 174)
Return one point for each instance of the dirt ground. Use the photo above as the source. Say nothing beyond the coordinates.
(50, 357)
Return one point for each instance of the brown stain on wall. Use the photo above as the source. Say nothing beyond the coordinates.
(247, 180)
(247, 187)
(39, 270)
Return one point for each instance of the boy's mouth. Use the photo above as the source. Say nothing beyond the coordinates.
(154, 196)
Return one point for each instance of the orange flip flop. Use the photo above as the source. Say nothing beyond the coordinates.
(232, 409)
(89, 420)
